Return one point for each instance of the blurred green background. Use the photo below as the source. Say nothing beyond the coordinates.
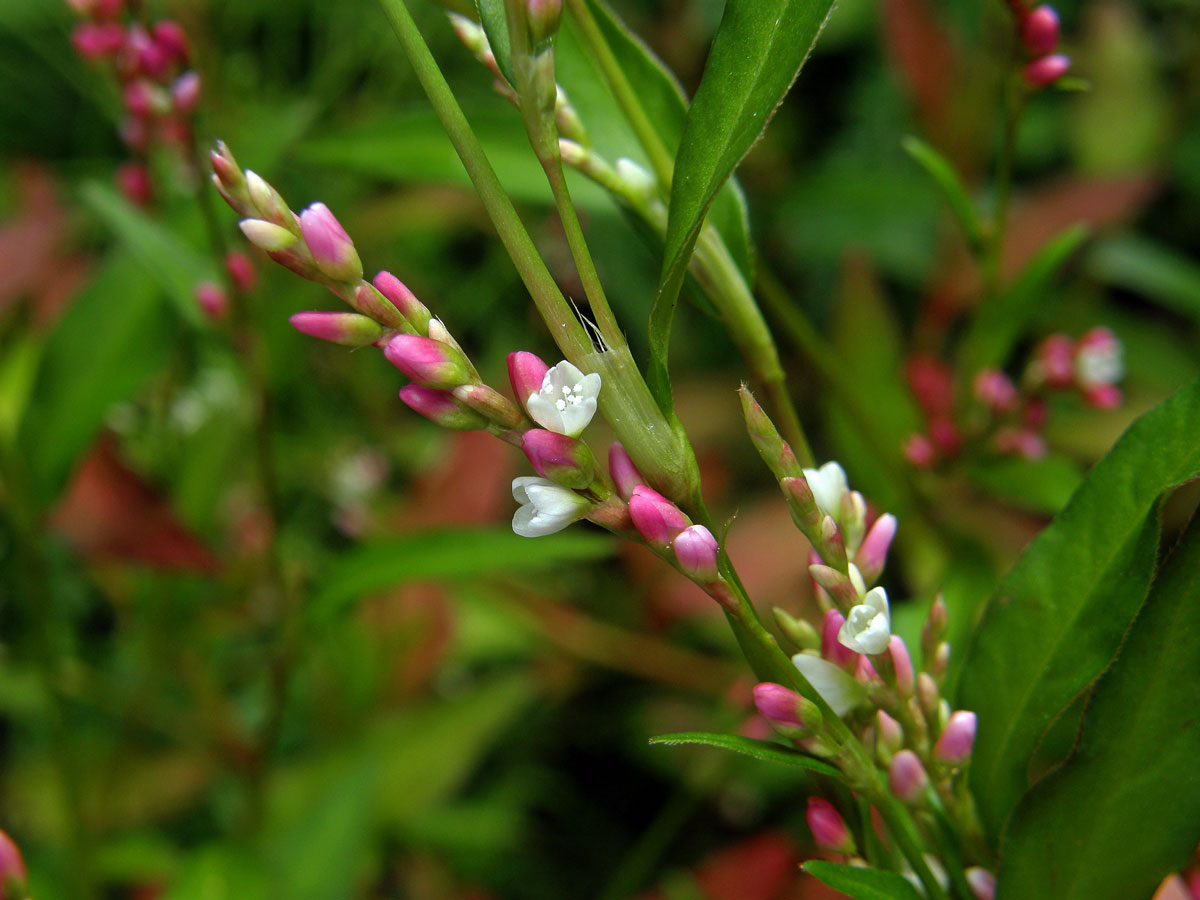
(377, 690)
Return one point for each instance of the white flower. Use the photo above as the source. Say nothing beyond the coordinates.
(836, 686)
(545, 506)
(869, 625)
(567, 400)
(828, 484)
(1100, 362)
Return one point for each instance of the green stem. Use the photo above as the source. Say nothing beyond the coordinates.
(565, 328)
(1014, 105)
(660, 159)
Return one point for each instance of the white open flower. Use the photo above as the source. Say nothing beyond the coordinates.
(828, 484)
(546, 507)
(868, 627)
(567, 400)
(836, 686)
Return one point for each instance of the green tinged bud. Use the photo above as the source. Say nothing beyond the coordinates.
(773, 449)
(800, 633)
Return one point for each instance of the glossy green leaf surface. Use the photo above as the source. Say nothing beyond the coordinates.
(1058, 617)
(460, 553)
(1125, 809)
(756, 54)
(764, 750)
(861, 884)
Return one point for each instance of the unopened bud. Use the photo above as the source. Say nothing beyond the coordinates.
(269, 202)
(1039, 31)
(656, 518)
(940, 663)
(799, 631)
(241, 271)
(1045, 71)
(1054, 362)
(574, 155)
(637, 181)
(172, 40)
(995, 390)
(564, 460)
(621, 469)
(369, 301)
(785, 707)
(143, 99)
(802, 506)
(907, 777)
(696, 552)
(95, 41)
(526, 372)
(982, 883)
(345, 328)
(1103, 396)
(1020, 442)
(133, 180)
(827, 826)
(543, 17)
(920, 451)
(267, 235)
(404, 300)
(902, 665)
(13, 875)
(489, 403)
(888, 731)
(212, 299)
(928, 696)
(231, 181)
(831, 546)
(833, 649)
(441, 408)
(185, 93)
(957, 739)
(427, 361)
(872, 552)
(770, 445)
(331, 247)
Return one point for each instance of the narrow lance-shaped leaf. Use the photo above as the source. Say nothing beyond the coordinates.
(955, 192)
(764, 750)
(756, 54)
(495, 25)
(1057, 618)
(1125, 809)
(861, 884)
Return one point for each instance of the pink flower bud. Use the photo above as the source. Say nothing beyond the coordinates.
(1053, 361)
(266, 235)
(624, 473)
(241, 271)
(995, 390)
(1020, 442)
(889, 732)
(957, 739)
(441, 408)
(427, 361)
(696, 551)
(775, 452)
(490, 404)
(982, 883)
(778, 704)
(12, 869)
(945, 436)
(1039, 31)
(97, 40)
(345, 328)
(153, 59)
(827, 826)
(212, 299)
(907, 777)
(833, 649)
(872, 553)
(902, 665)
(405, 301)
(143, 99)
(932, 384)
(526, 372)
(107, 9)
(171, 40)
(185, 93)
(919, 450)
(543, 17)
(1045, 71)
(656, 518)
(927, 694)
(1104, 396)
(133, 180)
(1033, 416)
(331, 247)
(564, 460)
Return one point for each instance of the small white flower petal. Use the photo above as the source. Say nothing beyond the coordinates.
(868, 627)
(566, 402)
(545, 506)
(828, 484)
(836, 686)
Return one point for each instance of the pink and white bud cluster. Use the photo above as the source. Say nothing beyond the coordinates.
(1039, 34)
(159, 94)
(1091, 365)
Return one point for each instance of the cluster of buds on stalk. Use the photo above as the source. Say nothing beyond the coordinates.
(860, 669)
(1004, 416)
(159, 93)
(1038, 32)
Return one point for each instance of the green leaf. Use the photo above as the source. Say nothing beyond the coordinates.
(169, 260)
(1156, 272)
(1125, 809)
(495, 26)
(940, 170)
(861, 884)
(462, 553)
(110, 342)
(764, 750)
(1057, 618)
(756, 54)
(999, 324)
(665, 103)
